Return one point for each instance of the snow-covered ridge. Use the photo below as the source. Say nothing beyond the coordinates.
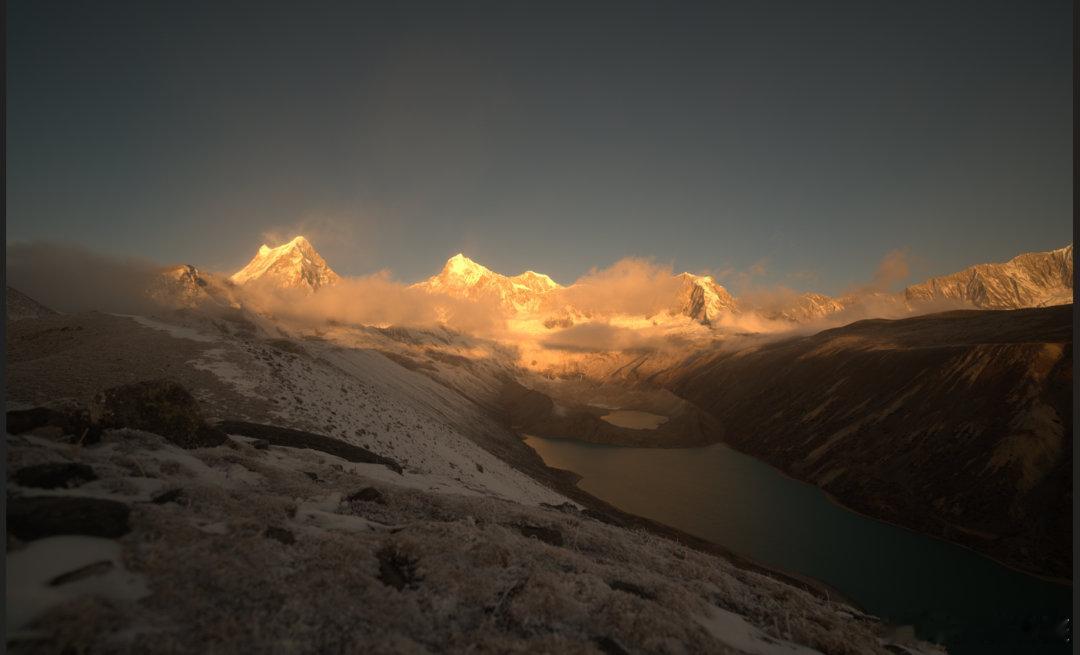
(702, 299)
(294, 265)
(1036, 279)
(1029, 280)
(699, 298)
(461, 274)
(461, 277)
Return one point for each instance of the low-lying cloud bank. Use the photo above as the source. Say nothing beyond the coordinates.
(374, 300)
(633, 286)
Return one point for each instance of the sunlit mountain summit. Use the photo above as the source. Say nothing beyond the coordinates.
(294, 265)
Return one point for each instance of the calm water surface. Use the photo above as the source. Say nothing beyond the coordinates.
(951, 595)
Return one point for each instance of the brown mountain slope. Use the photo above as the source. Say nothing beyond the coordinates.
(956, 424)
(21, 306)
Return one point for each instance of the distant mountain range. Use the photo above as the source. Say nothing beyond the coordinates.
(1039, 279)
(1028, 280)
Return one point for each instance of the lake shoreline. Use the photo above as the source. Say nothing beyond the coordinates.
(1065, 582)
(566, 482)
(737, 502)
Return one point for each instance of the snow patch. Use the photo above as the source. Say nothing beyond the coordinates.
(735, 631)
(31, 570)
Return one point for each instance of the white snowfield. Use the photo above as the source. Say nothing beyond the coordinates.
(31, 571)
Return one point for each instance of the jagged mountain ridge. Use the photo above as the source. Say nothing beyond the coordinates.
(187, 287)
(294, 265)
(1038, 279)
(1035, 279)
(807, 307)
(183, 285)
(1029, 280)
(461, 277)
(703, 300)
(699, 298)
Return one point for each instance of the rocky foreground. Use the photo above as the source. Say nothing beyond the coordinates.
(197, 540)
(171, 490)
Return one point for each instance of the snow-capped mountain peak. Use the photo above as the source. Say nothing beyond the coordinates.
(462, 277)
(702, 299)
(292, 265)
(534, 281)
(460, 271)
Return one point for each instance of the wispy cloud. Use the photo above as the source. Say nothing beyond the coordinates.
(891, 270)
(739, 279)
(630, 286)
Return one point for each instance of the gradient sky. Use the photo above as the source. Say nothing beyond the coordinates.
(807, 138)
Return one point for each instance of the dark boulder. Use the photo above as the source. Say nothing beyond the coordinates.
(162, 407)
(280, 534)
(366, 495)
(609, 646)
(397, 570)
(290, 438)
(170, 496)
(75, 424)
(546, 535)
(46, 516)
(53, 475)
(24, 420)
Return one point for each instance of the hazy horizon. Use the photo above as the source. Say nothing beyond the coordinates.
(895, 270)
